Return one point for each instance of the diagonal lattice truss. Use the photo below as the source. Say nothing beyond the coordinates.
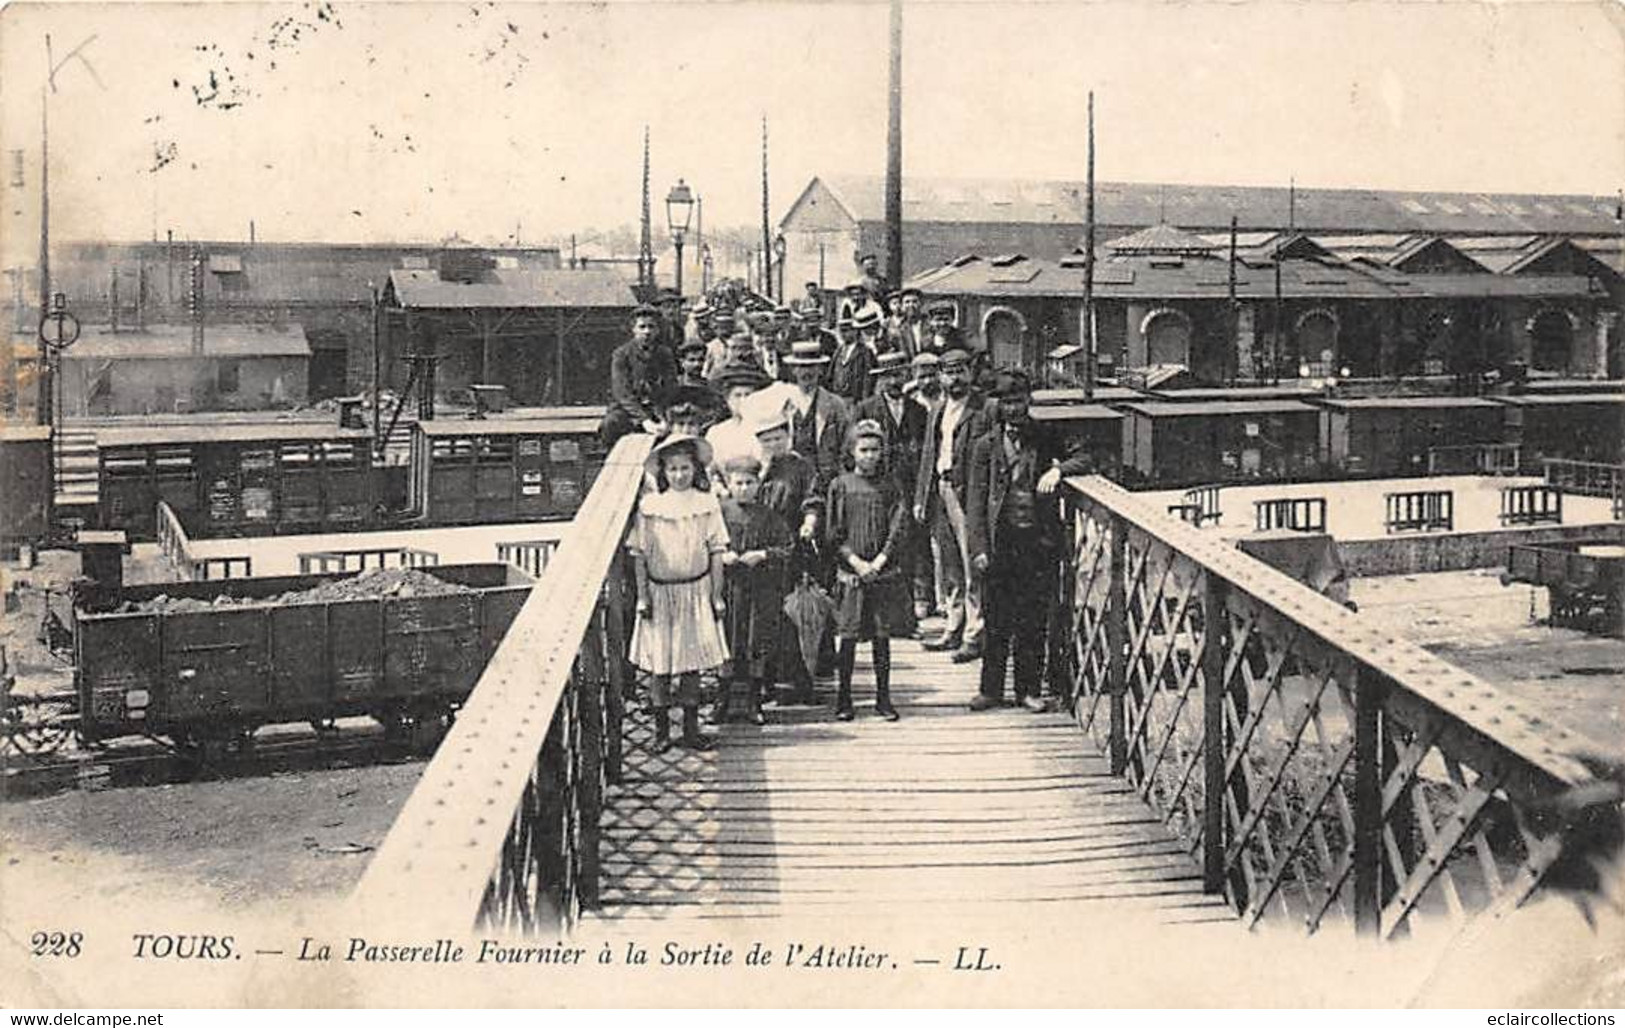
(1312, 780)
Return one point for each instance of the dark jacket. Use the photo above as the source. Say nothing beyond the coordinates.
(641, 384)
(823, 442)
(902, 438)
(849, 372)
(990, 470)
(980, 414)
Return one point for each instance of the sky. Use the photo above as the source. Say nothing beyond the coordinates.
(412, 121)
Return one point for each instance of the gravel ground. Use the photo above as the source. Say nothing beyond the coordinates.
(233, 843)
(1498, 633)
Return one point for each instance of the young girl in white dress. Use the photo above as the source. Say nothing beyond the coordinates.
(677, 542)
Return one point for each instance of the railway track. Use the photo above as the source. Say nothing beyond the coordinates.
(140, 761)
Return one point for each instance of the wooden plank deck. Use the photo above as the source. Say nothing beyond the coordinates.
(944, 808)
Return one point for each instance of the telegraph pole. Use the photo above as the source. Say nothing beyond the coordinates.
(646, 253)
(767, 237)
(894, 154)
(1089, 264)
(43, 405)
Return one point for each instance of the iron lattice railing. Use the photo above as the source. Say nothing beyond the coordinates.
(502, 831)
(1317, 765)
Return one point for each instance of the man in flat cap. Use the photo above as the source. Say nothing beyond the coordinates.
(642, 376)
(1016, 539)
(940, 497)
(906, 330)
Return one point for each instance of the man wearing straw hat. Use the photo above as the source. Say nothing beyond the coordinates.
(850, 378)
(819, 419)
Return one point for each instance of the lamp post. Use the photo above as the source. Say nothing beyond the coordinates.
(780, 248)
(679, 208)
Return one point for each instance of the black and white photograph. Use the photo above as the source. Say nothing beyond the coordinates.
(792, 504)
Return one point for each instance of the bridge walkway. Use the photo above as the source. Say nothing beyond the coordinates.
(944, 807)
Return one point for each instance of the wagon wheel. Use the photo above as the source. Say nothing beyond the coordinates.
(34, 730)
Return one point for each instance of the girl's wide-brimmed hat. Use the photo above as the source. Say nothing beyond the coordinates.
(675, 441)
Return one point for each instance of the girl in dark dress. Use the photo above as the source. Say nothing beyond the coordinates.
(867, 527)
(754, 586)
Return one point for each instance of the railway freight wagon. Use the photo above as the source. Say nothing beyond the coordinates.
(509, 468)
(1390, 436)
(1171, 444)
(25, 485)
(1093, 428)
(236, 479)
(197, 669)
(1585, 426)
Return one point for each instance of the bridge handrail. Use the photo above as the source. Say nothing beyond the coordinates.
(1186, 717)
(1584, 477)
(176, 545)
(173, 541)
(328, 561)
(502, 829)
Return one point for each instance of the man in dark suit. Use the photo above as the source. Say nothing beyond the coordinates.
(819, 419)
(1016, 536)
(939, 500)
(903, 422)
(849, 375)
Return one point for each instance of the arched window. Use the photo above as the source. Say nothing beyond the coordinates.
(1551, 338)
(1006, 333)
(1167, 335)
(1316, 333)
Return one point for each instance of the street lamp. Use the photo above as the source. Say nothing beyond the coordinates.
(780, 248)
(679, 208)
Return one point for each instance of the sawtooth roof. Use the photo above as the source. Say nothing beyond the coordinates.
(1211, 206)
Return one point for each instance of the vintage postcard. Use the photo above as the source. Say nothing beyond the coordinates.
(794, 504)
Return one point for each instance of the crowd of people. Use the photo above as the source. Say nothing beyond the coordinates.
(825, 477)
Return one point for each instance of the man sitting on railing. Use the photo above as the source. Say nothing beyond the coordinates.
(1014, 525)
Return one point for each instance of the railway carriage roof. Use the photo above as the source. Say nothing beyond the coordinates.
(1238, 407)
(1405, 402)
(266, 432)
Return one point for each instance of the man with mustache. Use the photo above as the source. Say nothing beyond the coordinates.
(1014, 524)
(939, 501)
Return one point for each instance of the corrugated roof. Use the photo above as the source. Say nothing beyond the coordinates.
(1210, 207)
(1160, 239)
(514, 288)
(174, 342)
